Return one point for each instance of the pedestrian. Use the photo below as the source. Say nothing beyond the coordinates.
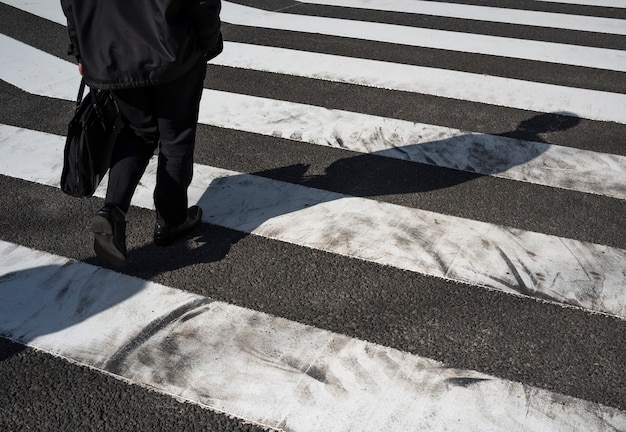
(152, 55)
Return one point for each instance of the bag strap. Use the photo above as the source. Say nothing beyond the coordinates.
(94, 101)
(81, 91)
(96, 105)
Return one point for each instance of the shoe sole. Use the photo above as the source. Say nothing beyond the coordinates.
(103, 243)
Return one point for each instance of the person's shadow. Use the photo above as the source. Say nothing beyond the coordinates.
(243, 202)
(437, 164)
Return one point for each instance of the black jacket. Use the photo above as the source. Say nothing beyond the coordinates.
(137, 43)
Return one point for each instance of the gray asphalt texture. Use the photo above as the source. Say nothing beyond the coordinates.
(562, 349)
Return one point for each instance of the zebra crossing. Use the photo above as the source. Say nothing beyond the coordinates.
(299, 151)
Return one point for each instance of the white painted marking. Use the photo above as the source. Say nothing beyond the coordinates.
(33, 71)
(486, 13)
(36, 71)
(48, 9)
(531, 162)
(599, 3)
(257, 367)
(576, 55)
(512, 93)
(507, 259)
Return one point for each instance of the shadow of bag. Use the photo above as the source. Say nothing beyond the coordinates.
(91, 136)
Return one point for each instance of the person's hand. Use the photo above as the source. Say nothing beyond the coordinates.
(80, 69)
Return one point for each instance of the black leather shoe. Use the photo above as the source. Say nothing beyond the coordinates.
(166, 234)
(109, 240)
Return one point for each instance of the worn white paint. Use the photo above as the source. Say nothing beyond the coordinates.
(507, 92)
(486, 13)
(37, 72)
(503, 258)
(254, 366)
(527, 161)
(48, 9)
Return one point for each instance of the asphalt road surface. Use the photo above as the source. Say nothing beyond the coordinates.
(414, 219)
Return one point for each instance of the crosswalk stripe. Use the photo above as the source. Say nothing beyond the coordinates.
(600, 58)
(533, 162)
(486, 13)
(603, 3)
(552, 268)
(37, 72)
(48, 9)
(512, 93)
(255, 366)
(528, 161)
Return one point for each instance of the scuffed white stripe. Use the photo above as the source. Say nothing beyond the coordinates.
(48, 9)
(36, 71)
(45, 75)
(486, 13)
(23, 144)
(558, 269)
(507, 92)
(257, 367)
(531, 162)
(577, 55)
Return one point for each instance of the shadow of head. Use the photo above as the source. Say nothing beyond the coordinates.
(444, 163)
(533, 128)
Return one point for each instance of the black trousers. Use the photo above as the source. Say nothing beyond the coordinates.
(162, 117)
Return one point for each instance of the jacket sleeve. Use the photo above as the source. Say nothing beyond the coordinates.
(206, 19)
(73, 48)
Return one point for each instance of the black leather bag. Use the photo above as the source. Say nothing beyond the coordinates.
(91, 136)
